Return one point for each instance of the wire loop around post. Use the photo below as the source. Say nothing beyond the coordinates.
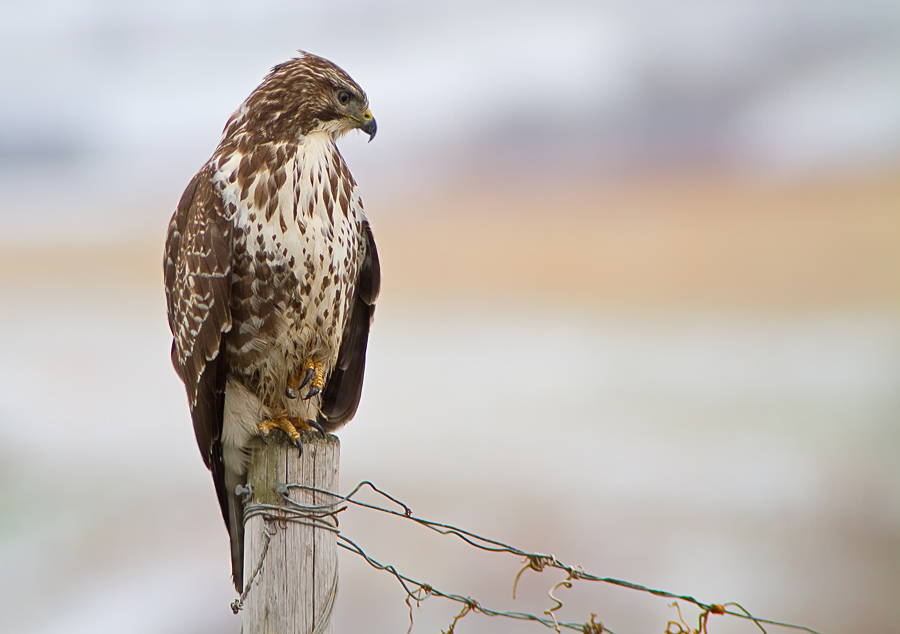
(275, 516)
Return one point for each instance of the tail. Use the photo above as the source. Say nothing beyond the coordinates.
(238, 429)
(235, 523)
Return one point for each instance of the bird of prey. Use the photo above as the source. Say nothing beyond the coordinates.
(271, 275)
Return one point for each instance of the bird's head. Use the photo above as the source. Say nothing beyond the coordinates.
(304, 95)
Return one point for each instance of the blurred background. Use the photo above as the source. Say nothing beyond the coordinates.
(639, 310)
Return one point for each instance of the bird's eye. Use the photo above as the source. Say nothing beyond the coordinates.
(344, 97)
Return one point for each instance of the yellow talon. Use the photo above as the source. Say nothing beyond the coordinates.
(318, 380)
(289, 425)
(313, 374)
(282, 422)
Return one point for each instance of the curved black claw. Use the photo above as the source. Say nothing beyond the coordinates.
(312, 392)
(306, 378)
(315, 425)
(299, 444)
(290, 392)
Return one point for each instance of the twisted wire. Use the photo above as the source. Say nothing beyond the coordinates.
(419, 591)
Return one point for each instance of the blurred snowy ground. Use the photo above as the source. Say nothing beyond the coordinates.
(642, 423)
(731, 455)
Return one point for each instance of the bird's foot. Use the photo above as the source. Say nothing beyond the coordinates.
(284, 423)
(289, 425)
(313, 375)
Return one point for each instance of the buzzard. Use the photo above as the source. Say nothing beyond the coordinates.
(271, 275)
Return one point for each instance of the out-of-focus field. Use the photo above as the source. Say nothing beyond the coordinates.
(665, 244)
(640, 306)
(676, 244)
(686, 384)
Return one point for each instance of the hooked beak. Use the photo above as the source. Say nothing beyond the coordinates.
(368, 124)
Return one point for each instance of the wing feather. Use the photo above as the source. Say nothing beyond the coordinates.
(198, 298)
(340, 398)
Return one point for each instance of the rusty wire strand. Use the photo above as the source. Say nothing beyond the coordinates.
(419, 591)
(715, 608)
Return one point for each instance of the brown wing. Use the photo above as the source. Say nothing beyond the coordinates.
(340, 398)
(198, 296)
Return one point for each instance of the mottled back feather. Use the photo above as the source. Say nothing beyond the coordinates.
(198, 294)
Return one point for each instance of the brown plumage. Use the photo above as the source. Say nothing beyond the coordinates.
(270, 269)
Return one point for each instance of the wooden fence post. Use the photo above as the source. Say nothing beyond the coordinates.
(294, 590)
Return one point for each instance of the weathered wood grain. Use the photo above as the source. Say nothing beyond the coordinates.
(294, 591)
